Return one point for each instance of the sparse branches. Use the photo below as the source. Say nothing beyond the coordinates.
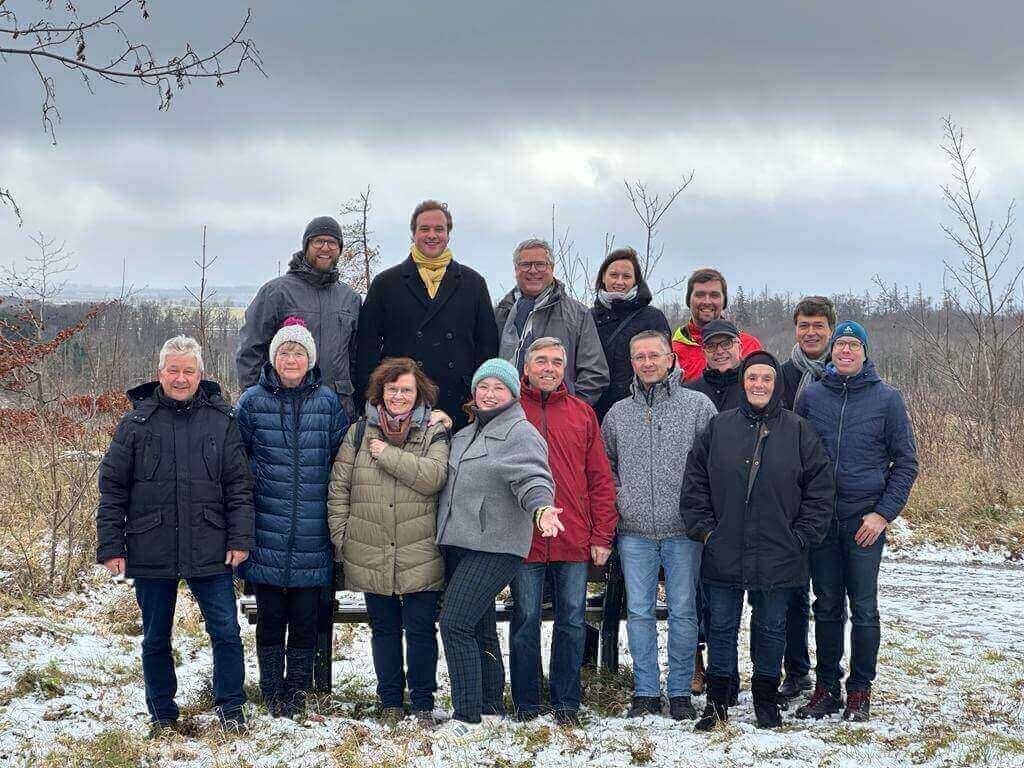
(650, 208)
(572, 269)
(7, 199)
(69, 40)
(359, 257)
(204, 295)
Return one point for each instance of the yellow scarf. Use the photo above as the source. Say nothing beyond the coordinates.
(431, 270)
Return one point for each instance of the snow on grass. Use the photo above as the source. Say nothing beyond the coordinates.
(950, 692)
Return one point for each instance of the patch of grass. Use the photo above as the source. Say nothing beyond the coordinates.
(933, 739)
(352, 697)
(535, 740)
(201, 701)
(346, 752)
(49, 682)
(117, 748)
(607, 693)
(993, 656)
(849, 736)
(641, 750)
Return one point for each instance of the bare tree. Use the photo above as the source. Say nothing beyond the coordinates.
(66, 39)
(40, 280)
(8, 200)
(203, 296)
(650, 208)
(572, 269)
(359, 258)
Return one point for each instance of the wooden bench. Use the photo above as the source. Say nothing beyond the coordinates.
(604, 613)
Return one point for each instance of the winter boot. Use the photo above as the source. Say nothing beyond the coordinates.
(766, 705)
(271, 661)
(298, 681)
(645, 705)
(793, 686)
(717, 709)
(697, 685)
(858, 706)
(681, 708)
(822, 704)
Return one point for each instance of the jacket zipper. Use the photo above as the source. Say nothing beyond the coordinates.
(839, 442)
(295, 493)
(544, 424)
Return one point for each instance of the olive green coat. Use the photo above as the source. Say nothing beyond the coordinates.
(383, 512)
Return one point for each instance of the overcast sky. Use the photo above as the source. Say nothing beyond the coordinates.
(812, 128)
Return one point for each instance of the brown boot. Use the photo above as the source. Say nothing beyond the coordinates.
(699, 682)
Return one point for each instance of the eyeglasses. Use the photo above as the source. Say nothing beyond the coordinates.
(653, 357)
(391, 391)
(853, 346)
(534, 266)
(325, 242)
(714, 346)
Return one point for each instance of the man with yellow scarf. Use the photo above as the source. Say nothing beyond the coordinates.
(430, 308)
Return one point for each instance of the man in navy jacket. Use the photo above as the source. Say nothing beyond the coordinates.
(864, 425)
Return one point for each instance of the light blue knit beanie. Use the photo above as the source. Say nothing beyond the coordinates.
(499, 369)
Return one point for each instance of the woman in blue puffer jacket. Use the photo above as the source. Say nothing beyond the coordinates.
(291, 425)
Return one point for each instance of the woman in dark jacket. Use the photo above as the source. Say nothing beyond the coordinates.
(621, 310)
(291, 425)
(759, 493)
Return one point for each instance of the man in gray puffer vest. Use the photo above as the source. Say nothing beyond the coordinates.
(539, 307)
(647, 437)
(310, 289)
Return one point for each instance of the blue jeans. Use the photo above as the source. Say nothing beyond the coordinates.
(642, 559)
(797, 661)
(216, 598)
(767, 629)
(843, 570)
(570, 601)
(416, 614)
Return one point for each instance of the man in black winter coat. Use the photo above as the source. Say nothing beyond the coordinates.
(758, 492)
(430, 308)
(720, 381)
(176, 503)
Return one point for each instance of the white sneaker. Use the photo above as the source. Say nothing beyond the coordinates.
(458, 733)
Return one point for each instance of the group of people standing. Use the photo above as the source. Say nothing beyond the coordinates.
(436, 449)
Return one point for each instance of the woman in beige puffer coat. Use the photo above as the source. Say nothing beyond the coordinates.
(382, 513)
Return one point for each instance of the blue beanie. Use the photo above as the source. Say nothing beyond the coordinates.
(854, 329)
(499, 369)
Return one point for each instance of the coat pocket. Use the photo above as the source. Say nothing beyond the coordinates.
(148, 544)
(210, 538)
(211, 457)
(149, 458)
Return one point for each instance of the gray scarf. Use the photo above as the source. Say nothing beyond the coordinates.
(607, 297)
(811, 368)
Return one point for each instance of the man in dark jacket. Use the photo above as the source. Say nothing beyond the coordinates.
(720, 381)
(864, 425)
(311, 290)
(430, 308)
(757, 493)
(176, 503)
(539, 306)
(814, 319)
(585, 493)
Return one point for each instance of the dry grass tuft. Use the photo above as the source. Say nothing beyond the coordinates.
(117, 748)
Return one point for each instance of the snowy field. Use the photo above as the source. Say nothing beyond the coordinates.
(950, 692)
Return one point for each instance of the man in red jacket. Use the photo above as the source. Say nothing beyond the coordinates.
(707, 296)
(585, 491)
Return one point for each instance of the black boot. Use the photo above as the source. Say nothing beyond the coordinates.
(298, 681)
(717, 709)
(794, 685)
(271, 661)
(766, 705)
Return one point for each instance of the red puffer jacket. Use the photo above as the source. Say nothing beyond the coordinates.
(686, 343)
(584, 488)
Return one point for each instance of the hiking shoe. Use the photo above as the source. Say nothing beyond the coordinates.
(391, 715)
(426, 718)
(822, 704)
(681, 708)
(232, 723)
(699, 682)
(794, 685)
(568, 718)
(162, 728)
(458, 733)
(526, 715)
(645, 705)
(858, 706)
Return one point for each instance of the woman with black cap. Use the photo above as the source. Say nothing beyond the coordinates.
(758, 492)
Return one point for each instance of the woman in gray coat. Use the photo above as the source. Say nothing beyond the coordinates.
(499, 486)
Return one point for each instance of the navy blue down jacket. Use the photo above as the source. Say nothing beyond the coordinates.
(291, 436)
(864, 425)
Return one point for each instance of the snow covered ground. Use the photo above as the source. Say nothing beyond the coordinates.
(950, 693)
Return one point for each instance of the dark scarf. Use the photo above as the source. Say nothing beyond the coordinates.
(482, 418)
(812, 369)
(394, 428)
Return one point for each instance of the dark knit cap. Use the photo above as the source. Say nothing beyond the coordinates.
(322, 225)
(854, 330)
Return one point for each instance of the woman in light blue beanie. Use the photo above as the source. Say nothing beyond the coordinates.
(499, 486)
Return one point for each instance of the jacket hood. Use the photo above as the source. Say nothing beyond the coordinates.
(270, 381)
(532, 393)
(302, 269)
(145, 397)
(835, 380)
(761, 357)
(723, 378)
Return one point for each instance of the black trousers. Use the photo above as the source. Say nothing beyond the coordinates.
(290, 611)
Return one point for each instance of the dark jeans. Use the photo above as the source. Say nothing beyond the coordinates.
(843, 570)
(216, 598)
(291, 610)
(704, 617)
(415, 614)
(469, 629)
(569, 596)
(767, 629)
(797, 660)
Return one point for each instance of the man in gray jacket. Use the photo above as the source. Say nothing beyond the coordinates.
(647, 437)
(539, 307)
(310, 289)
